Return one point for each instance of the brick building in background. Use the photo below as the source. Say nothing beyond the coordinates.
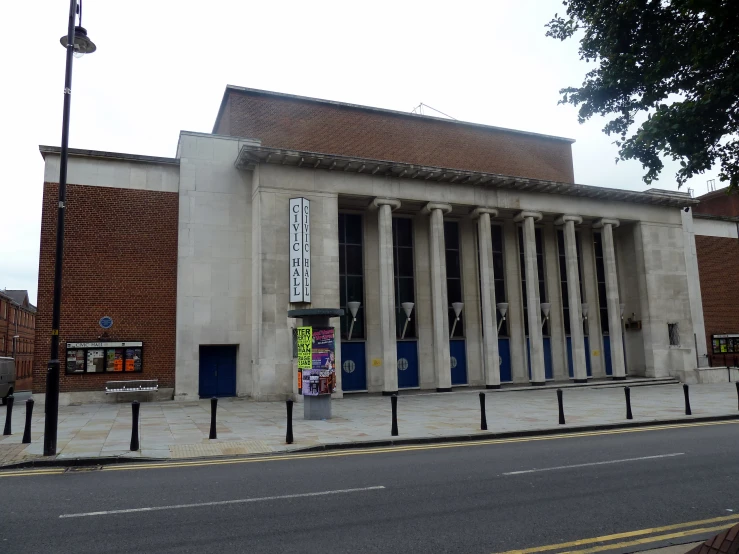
(716, 223)
(17, 334)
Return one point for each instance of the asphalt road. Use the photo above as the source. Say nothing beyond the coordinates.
(472, 498)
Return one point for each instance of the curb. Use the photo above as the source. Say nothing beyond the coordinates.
(109, 460)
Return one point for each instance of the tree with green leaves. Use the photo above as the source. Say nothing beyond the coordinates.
(675, 61)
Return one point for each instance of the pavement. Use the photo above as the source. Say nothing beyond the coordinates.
(607, 492)
(180, 429)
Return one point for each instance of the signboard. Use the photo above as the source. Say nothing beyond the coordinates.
(725, 343)
(318, 376)
(300, 250)
(104, 357)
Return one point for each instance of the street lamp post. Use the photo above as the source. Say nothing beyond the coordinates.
(77, 44)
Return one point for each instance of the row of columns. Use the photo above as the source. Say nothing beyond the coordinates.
(439, 299)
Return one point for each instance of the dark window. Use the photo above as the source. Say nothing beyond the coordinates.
(351, 274)
(540, 271)
(453, 274)
(600, 273)
(673, 330)
(403, 270)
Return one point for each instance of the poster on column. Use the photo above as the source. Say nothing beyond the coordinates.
(320, 378)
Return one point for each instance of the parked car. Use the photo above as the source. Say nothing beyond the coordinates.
(7, 378)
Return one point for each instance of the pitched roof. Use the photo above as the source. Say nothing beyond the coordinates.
(20, 297)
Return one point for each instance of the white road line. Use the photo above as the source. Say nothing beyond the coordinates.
(596, 463)
(221, 503)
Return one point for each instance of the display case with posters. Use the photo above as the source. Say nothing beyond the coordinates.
(317, 360)
(104, 357)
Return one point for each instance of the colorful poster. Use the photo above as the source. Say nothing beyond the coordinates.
(305, 343)
(75, 361)
(95, 361)
(320, 376)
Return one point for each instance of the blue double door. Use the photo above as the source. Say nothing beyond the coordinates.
(217, 371)
(353, 366)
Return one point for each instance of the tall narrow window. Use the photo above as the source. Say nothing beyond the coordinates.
(453, 274)
(540, 276)
(563, 275)
(601, 278)
(403, 269)
(351, 275)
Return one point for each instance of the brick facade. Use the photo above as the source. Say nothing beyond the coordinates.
(120, 260)
(718, 266)
(718, 203)
(283, 121)
(18, 319)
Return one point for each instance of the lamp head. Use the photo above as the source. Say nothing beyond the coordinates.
(502, 308)
(407, 308)
(353, 308)
(585, 310)
(545, 307)
(457, 306)
(82, 44)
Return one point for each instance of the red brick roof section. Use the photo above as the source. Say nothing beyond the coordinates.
(719, 203)
(297, 123)
(726, 542)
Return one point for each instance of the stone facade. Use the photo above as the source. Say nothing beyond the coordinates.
(213, 238)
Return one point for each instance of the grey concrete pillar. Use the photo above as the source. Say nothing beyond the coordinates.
(614, 307)
(536, 341)
(490, 356)
(385, 207)
(439, 301)
(579, 367)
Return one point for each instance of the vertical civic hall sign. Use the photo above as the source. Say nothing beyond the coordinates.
(299, 250)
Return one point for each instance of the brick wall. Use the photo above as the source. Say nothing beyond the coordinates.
(16, 319)
(718, 267)
(120, 260)
(718, 203)
(353, 131)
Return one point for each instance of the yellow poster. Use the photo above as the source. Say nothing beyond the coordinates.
(305, 347)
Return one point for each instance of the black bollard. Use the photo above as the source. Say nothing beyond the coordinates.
(483, 419)
(737, 392)
(29, 414)
(9, 414)
(289, 435)
(687, 400)
(213, 408)
(627, 391)
(394, 403)
(561, 407)
(135, 426)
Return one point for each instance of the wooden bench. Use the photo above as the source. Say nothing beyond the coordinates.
(138, 385)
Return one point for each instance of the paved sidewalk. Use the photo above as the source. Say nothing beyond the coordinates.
(180, 429)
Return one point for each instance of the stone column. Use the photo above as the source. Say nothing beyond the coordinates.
(385, 207)
(536, 341)
(490, 356)
(614, 307)
(439, 301)
(579, 367)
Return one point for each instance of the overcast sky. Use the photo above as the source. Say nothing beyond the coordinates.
(162, 65)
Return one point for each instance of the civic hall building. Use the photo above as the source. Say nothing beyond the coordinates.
(469, 253)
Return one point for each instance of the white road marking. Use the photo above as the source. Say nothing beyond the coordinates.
(221, 502)
(596, 463)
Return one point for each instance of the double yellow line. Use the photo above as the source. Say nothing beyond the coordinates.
(367, 451)
(645, 536)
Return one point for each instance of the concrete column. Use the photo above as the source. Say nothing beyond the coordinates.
(439, 301)
(536, 342)
(490, 357)
(614, 308)
(385, 207)
(516, 331)
(579, 366)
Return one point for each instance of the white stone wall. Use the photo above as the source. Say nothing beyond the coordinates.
(214, 259)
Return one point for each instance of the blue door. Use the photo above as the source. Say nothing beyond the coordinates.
(458, 359)
(587, 357)
(217, 371)
(548, 370)
(504, 356)
(607, 354)
(353, 367)
(407, 364)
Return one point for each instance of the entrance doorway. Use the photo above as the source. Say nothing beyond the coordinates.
(217, 371)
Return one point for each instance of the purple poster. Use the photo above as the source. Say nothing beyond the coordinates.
(321, 378)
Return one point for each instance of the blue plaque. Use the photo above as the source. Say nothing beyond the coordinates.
(106, 322)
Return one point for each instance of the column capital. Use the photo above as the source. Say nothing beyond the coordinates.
(445, 208)
(603, 221)
(477, 212)
(377, 202)
(525, 213)
(564, 218)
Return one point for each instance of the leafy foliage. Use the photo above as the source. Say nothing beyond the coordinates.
(675, 60)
